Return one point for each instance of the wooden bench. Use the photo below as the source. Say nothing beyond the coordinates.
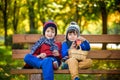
(95, 54)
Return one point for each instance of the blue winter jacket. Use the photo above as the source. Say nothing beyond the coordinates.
(85, 46)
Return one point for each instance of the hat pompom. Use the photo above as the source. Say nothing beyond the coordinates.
(74, 25)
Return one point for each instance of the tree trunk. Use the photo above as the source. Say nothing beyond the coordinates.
(5, 22)
(77, 15)
(15, 19)
(41, 12)
(104, 20)
(31, 14)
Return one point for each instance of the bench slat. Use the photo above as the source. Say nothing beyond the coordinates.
(86, 71)
(94, 54)
(32, 38)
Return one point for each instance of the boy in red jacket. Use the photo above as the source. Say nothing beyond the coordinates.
(45, 53)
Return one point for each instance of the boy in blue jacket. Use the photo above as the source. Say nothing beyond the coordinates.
(72, 34)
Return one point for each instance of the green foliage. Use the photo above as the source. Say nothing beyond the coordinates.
(7, 63)
(9, 40)
(21, 19)
(115, 30)
(32, 32)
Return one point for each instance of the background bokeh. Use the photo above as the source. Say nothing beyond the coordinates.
(28, 16)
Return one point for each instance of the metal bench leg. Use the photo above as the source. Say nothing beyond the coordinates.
(35, 77)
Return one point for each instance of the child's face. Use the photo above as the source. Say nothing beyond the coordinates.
(50, 33)
(72, 36)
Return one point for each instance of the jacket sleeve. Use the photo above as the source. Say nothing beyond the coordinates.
(59, 46)
(36, 52)
(64, 49)
(85, 45)
(35, 46)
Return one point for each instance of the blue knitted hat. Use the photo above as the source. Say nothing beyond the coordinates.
(50, 24)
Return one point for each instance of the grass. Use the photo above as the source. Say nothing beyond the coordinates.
(7, 63)
(5, 56)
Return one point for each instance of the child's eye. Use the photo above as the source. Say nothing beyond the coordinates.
(69, 34)
(75, 33)
(48, 31)
(53, 32)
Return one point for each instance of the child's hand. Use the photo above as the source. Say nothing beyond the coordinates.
(65, 58)
(42, 55)
(56, 53)
(78, 42)
(81, 38)
(73, 45)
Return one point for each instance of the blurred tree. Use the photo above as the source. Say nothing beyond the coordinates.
(104, 19)
(15, 16)
(31, 13)
(3, 8)
(28, 15)
(96, 10)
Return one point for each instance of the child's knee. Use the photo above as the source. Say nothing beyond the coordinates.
(27, 57)
(71, 60)
(87, 63)
(47, 59)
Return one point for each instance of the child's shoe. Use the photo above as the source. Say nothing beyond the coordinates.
(77, 78)
(64, 65)
(55, 65)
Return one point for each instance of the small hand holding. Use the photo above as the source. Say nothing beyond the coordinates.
(42, 55)
(73, 45)
(56, 53)
(81, 38)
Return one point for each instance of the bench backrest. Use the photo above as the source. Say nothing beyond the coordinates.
(94, 54)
